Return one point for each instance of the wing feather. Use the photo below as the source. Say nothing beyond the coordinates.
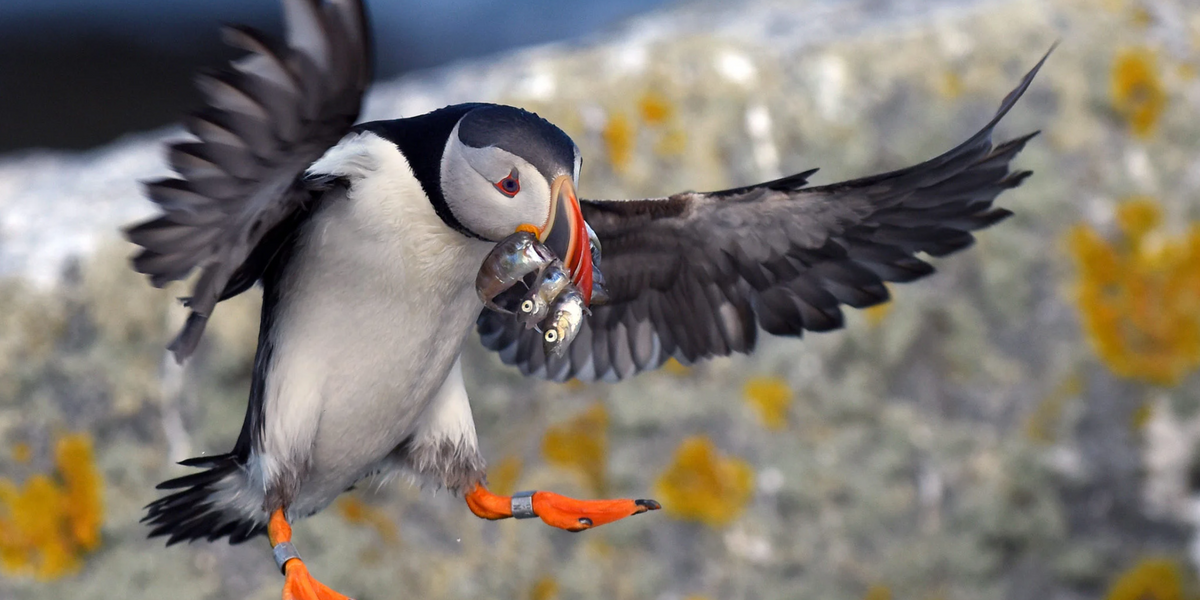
(240, 188)
(697, 274)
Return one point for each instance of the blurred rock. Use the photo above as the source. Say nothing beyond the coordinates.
(965, 444)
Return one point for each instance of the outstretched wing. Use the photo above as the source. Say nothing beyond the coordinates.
(240, 189)
(696, 274)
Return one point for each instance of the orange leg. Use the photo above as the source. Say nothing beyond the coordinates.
(555, 510)
(298, 583)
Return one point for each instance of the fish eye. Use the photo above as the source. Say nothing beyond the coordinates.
(510, 185)
(551, 336)
(527, 306)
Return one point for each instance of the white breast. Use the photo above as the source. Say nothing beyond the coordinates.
(379, 298)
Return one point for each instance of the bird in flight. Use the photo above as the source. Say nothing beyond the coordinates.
(380, 245)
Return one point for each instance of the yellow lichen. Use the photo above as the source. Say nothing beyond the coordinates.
(1136, 90)
(701, 485)
(1041, 424)
(545, 588)
(21, 452)
(771, 397)
(619, 136)
(47, 524)
(876, 314)
(676, 368)
(654, 108)
(503, 476)
(1141, 18)
(1141, 417)
(357, 512)
(82, 489)
(581, 444)
(950, 85)
(1149, 579)
(878, 592)
(1139, 298)
(672, 143)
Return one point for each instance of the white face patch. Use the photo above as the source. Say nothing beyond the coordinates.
(470, 178)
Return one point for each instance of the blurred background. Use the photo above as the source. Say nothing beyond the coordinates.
(1024, 424)
(82, 72)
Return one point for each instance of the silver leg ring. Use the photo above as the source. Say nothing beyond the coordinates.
(284, 551)
(522, 505)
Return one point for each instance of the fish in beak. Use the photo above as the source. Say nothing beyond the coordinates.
(566, 235)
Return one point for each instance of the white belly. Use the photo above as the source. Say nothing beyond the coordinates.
(379, 299)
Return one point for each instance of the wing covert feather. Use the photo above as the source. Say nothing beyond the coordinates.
(696, 275)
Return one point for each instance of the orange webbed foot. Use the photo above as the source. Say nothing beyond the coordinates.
(554, 509)
(298, 583)
(577, 515)
(301, 585)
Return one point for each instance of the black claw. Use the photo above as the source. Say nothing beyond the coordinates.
(647, 504)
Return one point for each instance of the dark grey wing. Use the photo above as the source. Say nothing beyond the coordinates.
(240, 189)
(696, 274)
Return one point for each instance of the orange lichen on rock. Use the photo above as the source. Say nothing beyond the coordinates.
(1041, 424)
(701, 485)
(357, 512)
(676, 368)
(545, 588)
(1141, 417)
(878, 592)
(950, 85)
(82, 489)
(876, 314)
(22, 452)
(47, 524)
(771, 397)
(619, 136)
(654, 108)
(581, 444)
(1139, 298)
(503, 476)
(1149, 579)
(1136, 90)
(672, 143)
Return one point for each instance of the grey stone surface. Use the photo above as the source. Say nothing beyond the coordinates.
(907, 461)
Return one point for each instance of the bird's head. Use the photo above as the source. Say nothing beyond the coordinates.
(505, 168)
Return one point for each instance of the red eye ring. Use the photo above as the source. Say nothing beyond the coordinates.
(510, 185)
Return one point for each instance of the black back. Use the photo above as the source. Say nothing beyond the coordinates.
(422, 140)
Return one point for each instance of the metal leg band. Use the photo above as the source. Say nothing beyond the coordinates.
(522, 505)
(284, 551)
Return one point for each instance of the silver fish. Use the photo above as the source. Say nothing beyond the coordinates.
(566, 317)
(594, 244)
(536, 304)
(509, 262)
(599, 291)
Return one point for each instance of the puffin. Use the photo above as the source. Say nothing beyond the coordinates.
(381, 246)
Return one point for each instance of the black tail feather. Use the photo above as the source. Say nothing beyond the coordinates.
(194, 513)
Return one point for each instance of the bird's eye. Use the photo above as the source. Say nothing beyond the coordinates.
(510, 185)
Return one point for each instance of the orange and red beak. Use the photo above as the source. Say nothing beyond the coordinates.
(565, 234)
